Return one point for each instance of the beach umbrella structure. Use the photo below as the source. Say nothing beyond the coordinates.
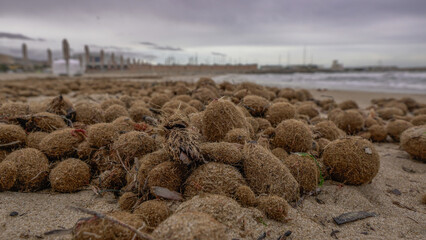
(66, 54)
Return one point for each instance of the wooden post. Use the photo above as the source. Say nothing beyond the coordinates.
(101, 60)
(24, 57)
(66, 54)
(49, 58)
(121, 63)
(87, 55)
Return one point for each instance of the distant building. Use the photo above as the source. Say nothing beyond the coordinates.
(336, 66)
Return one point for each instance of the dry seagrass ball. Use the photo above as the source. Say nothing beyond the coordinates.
(61, 143)
(419, 120)
(112, 101)
(69, 175)
(378, 133)
(326, 129)
(127, 201)
(293, 136)
(34, 139)
(275, 207)
(245, 196)
(351, 160)
(147, 163)
(169, 174)
(124, 124)
(305, 170)
(388, 113)
(8, 175)
(256, 105)
(115, 111)
(350, 121)
(32, 166)
(158, 100)
(101, 228)
(395, 128)
(223, 152)
(196, 104)
(413, 141)
(348, 104)
(152, 212)
(280, 153)
(219, 118)
(419, 111)
(14, 109)
(102, 134)
(266, 174)
(114, 178)
(133, 144)
(308, 110)
(89, 113)
(190, 226)
(13, 135)
(212, 177)
(204, 95)
(46, 122)
(279, 112)
(237, 135)
(85, 151)
(138, 113)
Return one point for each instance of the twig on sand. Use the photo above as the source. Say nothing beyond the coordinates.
(100, 215)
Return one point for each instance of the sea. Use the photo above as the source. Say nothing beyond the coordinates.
(397, 82)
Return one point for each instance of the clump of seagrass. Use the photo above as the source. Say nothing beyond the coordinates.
(152, 212)
(217, 178)
(378, 133)
(219, 118)
(102, 134)
(279, 112)
(133, 144)
(62, 106)
(169, 174)
(115, 111)
(304, 169)
(147, 163)
(69, 175)
(46, 122)
(238, 135)
(256, 105)
(34, 139)
(350, 121)
(13, 110)
(245, 196)
(419, 120)
(32, 166)
(266, 174)
(116, 225)
(280, 153)
(275, 207)
(293, 136)
(12, 136)
(113, 179)
(395, 128)
(127, 201)
(223, 152)
(351, 160)
(182, 142)
(124, 124)
(190, 226)
(89, 113)
(326, 129)
(224, 209)
(8, 175)
(62, 143)
(413, 141)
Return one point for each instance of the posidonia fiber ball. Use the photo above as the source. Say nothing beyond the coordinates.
(351, 160)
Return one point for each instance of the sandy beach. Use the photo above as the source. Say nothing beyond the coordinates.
(394, 196)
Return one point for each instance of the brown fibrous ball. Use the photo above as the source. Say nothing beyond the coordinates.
(89, 113)
(326, 129)
(61, 143)
(293, 136)
(245, 196)
(274, 207)
(378, 133)
(34, 139)
(8, 175)
(223, 152)
(127, 201)
(413, 141)
(152, 212)
(305, 170)
(133, 144)
(351, 160)
(102, 134)
(395, 128)
(70, 175)
(279, 112)
(350, 121)
(115, 111)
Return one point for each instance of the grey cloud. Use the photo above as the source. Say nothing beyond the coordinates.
(18, 36)
(158, 47)
(219, 54)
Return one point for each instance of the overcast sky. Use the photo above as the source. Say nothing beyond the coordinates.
(356, 32)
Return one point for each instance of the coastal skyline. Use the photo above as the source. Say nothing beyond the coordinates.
(357, 33)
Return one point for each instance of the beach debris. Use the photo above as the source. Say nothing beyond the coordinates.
(13, 214)
(395, 191)
(285, 235)
(353, 216)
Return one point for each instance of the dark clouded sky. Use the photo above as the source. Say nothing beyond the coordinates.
(357, 32)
